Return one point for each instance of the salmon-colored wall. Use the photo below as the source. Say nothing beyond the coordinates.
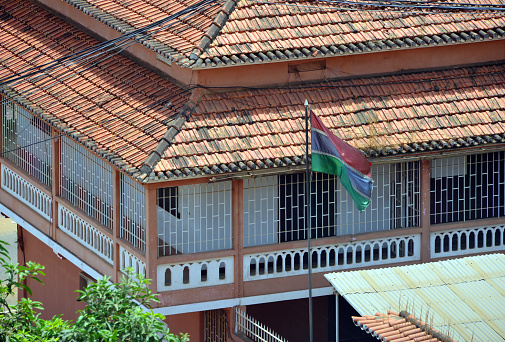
(57, 294)
(191, 323)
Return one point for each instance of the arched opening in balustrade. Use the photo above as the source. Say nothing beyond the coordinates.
(471, 240)
(332, 257)
(168, 277)
(359, 254)
(279, 264)
(401, 251)
(315, 261)
(455, 241)
(323, 259)
(497, 237)
(270, 269)
(385, 251)
(410, 248)
(376, 252)
(203, 273)
(287, 263)
(261, 266)
(305, 258)
(393, 249)
(222, 271)
(185, 275)
(438, 244)
(349, 255)
(252, 267)
(489, 238)
(340, 256)
(296, 261)
(463, 241)
(480, 239)
(367, 253)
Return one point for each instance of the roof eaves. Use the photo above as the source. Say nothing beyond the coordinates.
(289, 163)
(463, 37)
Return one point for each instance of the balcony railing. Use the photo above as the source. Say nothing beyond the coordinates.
(127, 259)
(330, 258)
(27, 193)
(185, 275)
(253, 329)
(85, 233)
(456, 242)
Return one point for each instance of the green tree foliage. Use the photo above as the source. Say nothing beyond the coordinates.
(112, 312)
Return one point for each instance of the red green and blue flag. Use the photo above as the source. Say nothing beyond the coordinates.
(334, 156)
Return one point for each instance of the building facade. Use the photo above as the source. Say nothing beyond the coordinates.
(178, 149)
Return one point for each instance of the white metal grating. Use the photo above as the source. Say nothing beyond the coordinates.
(133, 212)
(86, 181)
(253, 329)
(468, 187)
(85, 233)
(329, 258)
(127, 259)
(27, 193)
(456, 242)
(274, 207)
(194, 218)
(27, 142)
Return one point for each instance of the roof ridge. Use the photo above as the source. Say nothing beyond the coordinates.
(173, 130)
(213, 31)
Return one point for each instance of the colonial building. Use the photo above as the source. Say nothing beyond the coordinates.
(169, 136)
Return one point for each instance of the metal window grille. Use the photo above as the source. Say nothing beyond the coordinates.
(194, 218)
(274, 207)
(468, 187)
(216, 327)
(133, 217)
(27, 142)
(86, 181)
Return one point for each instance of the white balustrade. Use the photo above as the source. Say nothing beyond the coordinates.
(192, 274)
(85, 233)
(330, 258)
(130, 260)
(253, 329)
(456, 242)
(27, 193)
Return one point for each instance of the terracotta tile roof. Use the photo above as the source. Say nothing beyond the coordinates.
(277, 30)
(385, 115)
(175, 42)
(114, 107)
(257, 31)
(399, 327)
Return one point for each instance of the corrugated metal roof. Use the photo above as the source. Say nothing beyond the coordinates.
(462, 297)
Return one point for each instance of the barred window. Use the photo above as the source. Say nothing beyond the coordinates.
(194, 218)
(274, 207)
(27, 142)
(468, 187)
(86, 181)
(133, 218)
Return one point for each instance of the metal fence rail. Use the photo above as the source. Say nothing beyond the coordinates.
(253, 329)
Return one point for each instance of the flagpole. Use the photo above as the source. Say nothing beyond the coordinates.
(307, 215)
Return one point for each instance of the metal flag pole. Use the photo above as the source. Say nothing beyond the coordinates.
(307, 215)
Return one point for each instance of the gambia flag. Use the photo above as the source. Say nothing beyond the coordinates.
(332, 155)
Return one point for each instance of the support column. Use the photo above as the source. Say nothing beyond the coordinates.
(116, 223)
(2, 98)
(425, 209)
(237, 235)
(336, 318)
(55, 179)
(151, 238)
